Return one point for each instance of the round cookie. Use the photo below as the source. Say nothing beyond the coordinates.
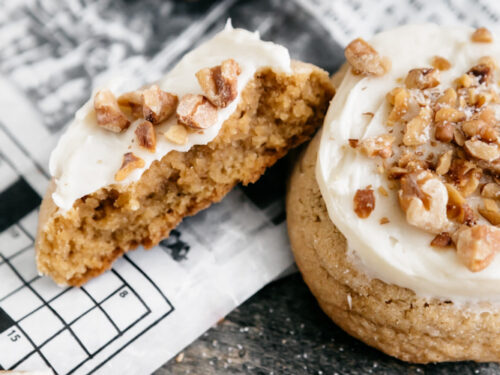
(388, 317)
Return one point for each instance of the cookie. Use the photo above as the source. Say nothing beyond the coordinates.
(391, 223)
(220, 118)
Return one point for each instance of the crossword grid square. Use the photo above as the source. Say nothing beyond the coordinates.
(34, 361)
(21, 303)
(124, 300)
(16, 239)
(25, 264)
(72, 304)
(7, 174)
(103, 286)
(39, 333)
(10, 281)
(46, 288)
(102, 330)
(14, 342)
(64, 352)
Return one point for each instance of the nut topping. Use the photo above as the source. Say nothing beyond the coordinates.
(423, 78)
(440, 63)
(365, 60)
(108, 113)
(444, 163)
(196, 112)
(177, 134)
(482, 150)
(442, 240)
(424, 198)
(146, 135)
(482, 35)
(378, 146)
(476, 246)
(131, 102)
(364, 202)
(130, 162)
(220, 83)
(158, 105)
(417, 132)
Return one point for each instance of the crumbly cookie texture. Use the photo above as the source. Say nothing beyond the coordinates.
(276, 113)
(387, 317)
(441, 153)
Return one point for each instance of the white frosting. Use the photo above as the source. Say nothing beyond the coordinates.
(87, 156)
(396, 252)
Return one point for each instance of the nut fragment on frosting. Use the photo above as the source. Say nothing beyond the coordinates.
(476, 246)
(220, 83)
(482, 35)
(364, 202)
(146, 135)
(177, 134)
(130, 162)
(158, 105)
(196, 112)
(108, 113)
(365, 60)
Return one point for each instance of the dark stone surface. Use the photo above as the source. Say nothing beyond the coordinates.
(282, 330)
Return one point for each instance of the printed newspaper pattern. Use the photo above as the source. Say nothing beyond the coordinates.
(151, 304)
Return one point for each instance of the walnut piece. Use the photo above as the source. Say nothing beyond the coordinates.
(444, 163)
(364, 202)
(482, 72)
(491, 190)
(417, 130)
(177, 134)
(131, 102)
(490, 211)
(220, 83)
(422, 78)
(476, 246)
(442, 240)
(365, 60)
(196, 112)
(424, 198)
(482, 35)
(440, 63)
(457, 208)
(130, 162)
(482, 150)
(449, 97)
(444, 132)
(378, 146)
(158, 105)
(400, 99)
(146, 135)
(449, 114)
(108, 113)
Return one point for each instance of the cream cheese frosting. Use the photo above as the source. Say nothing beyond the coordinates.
(88, 156)
(396, 253)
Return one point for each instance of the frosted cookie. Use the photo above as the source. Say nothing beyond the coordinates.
(393, 209)
(133, 164)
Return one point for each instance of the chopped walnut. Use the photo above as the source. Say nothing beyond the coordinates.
(442, 240)
(417, 132)
(482, 150)
(384, 220)
(364, 202)
(158, 105)
(449, 114)
(146, 135)
(424, 199)
(449, 97)
(131, 102)
(482, 35)
(465, 80)
(400, 99)
(130, 162)
(422, 78)
(220, 83)
(378, 146)
(196, 112)
(353, 142)
(177, 134)
(444, 163)
(108, 113)
(440, 63)
(491, 190)
(458, 137)
(480, 129)
(457, 208)
(490, 211)
(482, 72)
(476, 246)
(444, 132)
(364, 59)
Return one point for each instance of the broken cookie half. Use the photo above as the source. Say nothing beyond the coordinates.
(133, 164)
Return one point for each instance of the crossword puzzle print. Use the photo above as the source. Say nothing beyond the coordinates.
(66, 329)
